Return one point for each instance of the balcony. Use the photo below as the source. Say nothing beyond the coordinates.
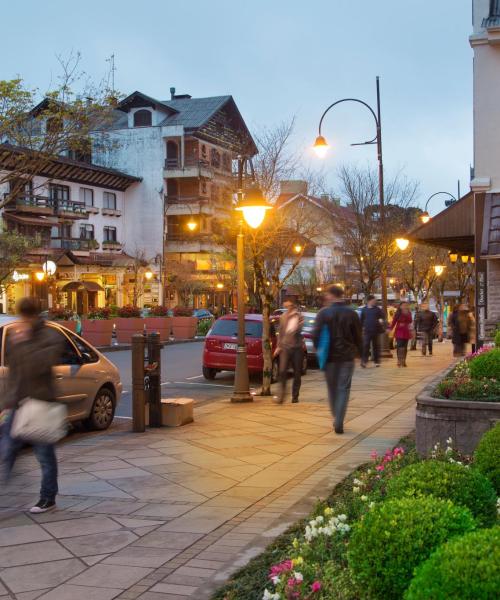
(71, 210)
(74, 244)
(39, 205)
(192, 168)
(111, 245)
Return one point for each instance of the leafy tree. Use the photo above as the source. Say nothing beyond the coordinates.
(14, 248)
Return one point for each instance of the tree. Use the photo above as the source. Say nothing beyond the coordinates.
(46, 126)
(138, 269)
(370, 245)
(14, 249)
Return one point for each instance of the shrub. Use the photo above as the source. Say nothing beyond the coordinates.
(183, 311)
(396, 536)
(159, 311)
(203, 327)
(486, 365)
(497, 338)
(487, 456)
(60, 314)
(467, 568)
(482, 390)
(129, 312)
(449, 481)
(99, 314)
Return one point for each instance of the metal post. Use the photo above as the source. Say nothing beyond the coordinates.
(153, 370)
(138, 392)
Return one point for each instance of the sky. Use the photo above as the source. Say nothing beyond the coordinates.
(280, 59)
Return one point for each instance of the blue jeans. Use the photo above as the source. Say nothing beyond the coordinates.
(338, 380)
(45, 454)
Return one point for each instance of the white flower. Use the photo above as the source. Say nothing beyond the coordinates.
(270, 596)
(355, 490)
(298, 576)
(449, 441)
(358, 482)
(498, 506)
(371, 505)
(275, 579)
(364, 498)
(319, 519)
(342, 517)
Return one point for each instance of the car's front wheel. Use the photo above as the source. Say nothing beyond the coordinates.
(103, 410)
(209, 373)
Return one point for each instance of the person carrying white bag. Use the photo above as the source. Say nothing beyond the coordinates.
(33, 415)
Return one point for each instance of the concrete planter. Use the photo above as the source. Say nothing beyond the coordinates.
(464, 421)
(71, 325)
(126, 328)
(97, 332)
(184, 328)
(162, 325)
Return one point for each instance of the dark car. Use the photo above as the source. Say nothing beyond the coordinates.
(219, 353)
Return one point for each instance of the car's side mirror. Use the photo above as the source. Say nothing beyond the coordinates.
(86, 357)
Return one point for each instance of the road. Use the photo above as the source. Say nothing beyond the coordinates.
(180, 375)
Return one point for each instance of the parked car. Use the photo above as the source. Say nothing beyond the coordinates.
(86, 381)
(203, 313)
(307, 332)
(219, 353)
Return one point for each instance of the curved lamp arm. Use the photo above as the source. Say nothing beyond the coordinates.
(436, 194)
(359, 102)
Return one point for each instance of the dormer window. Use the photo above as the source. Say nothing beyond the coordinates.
(142, 118)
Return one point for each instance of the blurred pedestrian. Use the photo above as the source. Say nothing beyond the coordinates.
(373, 324)
(426, 323)
(289, 349)
(32, 349)
(461, 326)
(344, 344)
(403, 331)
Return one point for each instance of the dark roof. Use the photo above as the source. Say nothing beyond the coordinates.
(11, 158)
(136, 99)
(490, 243)
(193, 113)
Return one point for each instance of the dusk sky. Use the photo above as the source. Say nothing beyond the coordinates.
(280, 58)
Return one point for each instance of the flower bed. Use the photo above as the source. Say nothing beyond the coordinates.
(374, 534)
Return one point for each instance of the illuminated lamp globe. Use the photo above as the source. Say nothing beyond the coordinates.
(192, 225)
(453, 256)
(49, 267)
(402, 243)
(40, 275)
(297, 248)
(425, 217)
(253, 206)
(220, 286)
(321, 146)
(472, 259)
(438, 269)
(319, 289)
(148, 275)
(465, 258)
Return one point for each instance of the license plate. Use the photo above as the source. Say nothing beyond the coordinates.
(230, 346)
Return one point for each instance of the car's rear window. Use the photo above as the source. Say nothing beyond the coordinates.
(229, 328)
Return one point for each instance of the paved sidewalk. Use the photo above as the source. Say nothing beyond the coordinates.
(169, 514)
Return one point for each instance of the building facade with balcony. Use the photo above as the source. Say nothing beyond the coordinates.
(74, 212)
(183, 149)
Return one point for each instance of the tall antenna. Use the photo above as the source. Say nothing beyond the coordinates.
(111, 61)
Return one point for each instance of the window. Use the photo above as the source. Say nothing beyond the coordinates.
(88, 353)
(65, 230)
(110, 234)
(87, 196)
(229, 328)
(86, 232)
(109, 200)
(142, 118)
(59, 192)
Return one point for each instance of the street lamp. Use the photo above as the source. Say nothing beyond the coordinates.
(439, 269)
(297, 248)
(425, 217)
(220, 286)
(192, 224)
(253, 206)
(402, 243)
(148, 275)
(40, 275)
(465, 258)
(321, 147)
(453, 256)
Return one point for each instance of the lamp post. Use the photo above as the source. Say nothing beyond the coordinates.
(425, 216)
(253, 206)
(321, 146)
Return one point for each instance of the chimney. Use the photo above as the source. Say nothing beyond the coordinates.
(172, 93)
(293, 186)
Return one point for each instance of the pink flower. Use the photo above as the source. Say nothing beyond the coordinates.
(280, 568)
(380, 467)
(316, 586)
(291, 582)
(398, 451)
(373, 455)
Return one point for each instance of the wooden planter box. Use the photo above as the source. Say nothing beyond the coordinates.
(98, 332)
(463, 421)
(162, 325)
(126, 328)
(184, 328)
(71, 325)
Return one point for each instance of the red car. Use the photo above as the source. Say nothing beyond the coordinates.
(219, 353)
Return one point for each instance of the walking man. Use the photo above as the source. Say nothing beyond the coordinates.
(33, 349)
(345, 343)
(373, 324)
(426, 322)
(290, 349)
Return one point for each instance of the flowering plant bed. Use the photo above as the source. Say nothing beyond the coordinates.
(349, 548)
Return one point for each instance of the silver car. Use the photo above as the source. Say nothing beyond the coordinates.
(86, 381)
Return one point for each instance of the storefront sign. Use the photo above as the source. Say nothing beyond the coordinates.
(16, 276)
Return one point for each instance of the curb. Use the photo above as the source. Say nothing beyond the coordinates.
(121, 347)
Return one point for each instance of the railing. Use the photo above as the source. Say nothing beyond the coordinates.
(187, 237)
(184, 199)
(73, 244)
(30, 201)
(175, 163)
(74, 208)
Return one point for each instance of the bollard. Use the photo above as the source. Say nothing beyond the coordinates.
(138, 391)
(153, 370)
(114, 338)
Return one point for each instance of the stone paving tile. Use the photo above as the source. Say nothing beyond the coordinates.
(80, 527)
(11, 536)
(99, 543)
(111, 576)
(135, 556)
(41, 575)
(26, 554)
(77, 592)
(172, 588)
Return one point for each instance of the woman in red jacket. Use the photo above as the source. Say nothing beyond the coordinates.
(402, 323)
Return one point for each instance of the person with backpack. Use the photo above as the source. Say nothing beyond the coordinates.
(426, 322)
(337, 334)
(33, 350)
(373, 324)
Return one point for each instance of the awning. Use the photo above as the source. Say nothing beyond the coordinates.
(33, 221)
(89, 286)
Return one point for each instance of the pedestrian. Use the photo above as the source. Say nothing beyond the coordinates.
(426, 323)
(32, 349)
(289, 348)
(373, 324)
(403, 331)
(461, 326)
(345, 343)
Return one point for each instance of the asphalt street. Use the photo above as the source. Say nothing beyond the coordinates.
(180, 375)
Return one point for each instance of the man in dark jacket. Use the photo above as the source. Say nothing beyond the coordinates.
(33, 349)
(373, 324)
(345, 344)
(425, 323)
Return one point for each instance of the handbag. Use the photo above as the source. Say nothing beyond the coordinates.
(323, 349)
(39, 422)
